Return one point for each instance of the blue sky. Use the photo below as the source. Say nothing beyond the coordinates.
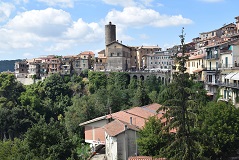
(33, 28)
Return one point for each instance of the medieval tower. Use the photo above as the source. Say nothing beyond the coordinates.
(110, 33)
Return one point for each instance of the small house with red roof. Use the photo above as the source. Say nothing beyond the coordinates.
(118, 131)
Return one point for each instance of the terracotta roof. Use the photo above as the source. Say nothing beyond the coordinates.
(197, 70)
(116, 127)
(126, 116)
(87, 53)
(197, 56)
(139, 115)
(154, 106)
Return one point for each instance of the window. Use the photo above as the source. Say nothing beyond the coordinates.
(210, 78)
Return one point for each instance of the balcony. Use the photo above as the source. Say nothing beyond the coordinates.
(228, 66)
(212, 56)
(230, 85)
(213, 83)
(212, 69)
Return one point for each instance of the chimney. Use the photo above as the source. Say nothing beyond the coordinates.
(125, 127)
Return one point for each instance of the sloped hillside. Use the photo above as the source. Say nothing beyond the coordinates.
(7, 65)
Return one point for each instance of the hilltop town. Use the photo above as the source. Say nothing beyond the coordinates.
(213, 60)
(128, 102)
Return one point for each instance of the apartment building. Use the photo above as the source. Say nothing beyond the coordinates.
(100, 63)
(21, 69)
(33, 70)
(158, 61)
(44, 66)
(195, 65)
(229, 68)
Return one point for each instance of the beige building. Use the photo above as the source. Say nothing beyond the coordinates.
(230, 74)
(100, 61)
(33, 70)
(21, 69)
(195, 66)
(120, 140)
(118, 57)
(86, 60)
(117, 131)
(66, 65)
(158, 61)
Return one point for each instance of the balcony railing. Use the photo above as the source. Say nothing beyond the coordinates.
(212, 56)
(228, 66)
(215, 83)
(231, 85)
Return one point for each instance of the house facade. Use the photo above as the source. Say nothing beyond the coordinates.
(120, 140)
(118, 131)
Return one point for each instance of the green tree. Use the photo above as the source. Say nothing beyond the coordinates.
(55, 86)
(151, 138)
(48, 141)
(140, 98)
(151, 84)
(97, 80)
(81, 110)
(220, 130)
(182, 107)
(15, 149)
(10, 90)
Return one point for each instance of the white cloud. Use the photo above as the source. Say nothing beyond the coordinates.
(47, 30)
(124, 3)
(139, 17)
(147, 2)
(61, 3)
(5, 10)
(48, 22)
(84, 32)
(21, 1)
(131, 3)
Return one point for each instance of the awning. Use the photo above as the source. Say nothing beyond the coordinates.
(209, 94)
(230, 75)
(197, 70)
(235, 77)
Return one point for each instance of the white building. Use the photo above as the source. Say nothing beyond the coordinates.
(120, 140)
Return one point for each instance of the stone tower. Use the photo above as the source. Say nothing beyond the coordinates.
(237, 23)
(110, 33)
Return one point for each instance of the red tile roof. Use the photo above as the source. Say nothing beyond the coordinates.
(139, 115)
(116, 127)
(197, 56)
(87, 53)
